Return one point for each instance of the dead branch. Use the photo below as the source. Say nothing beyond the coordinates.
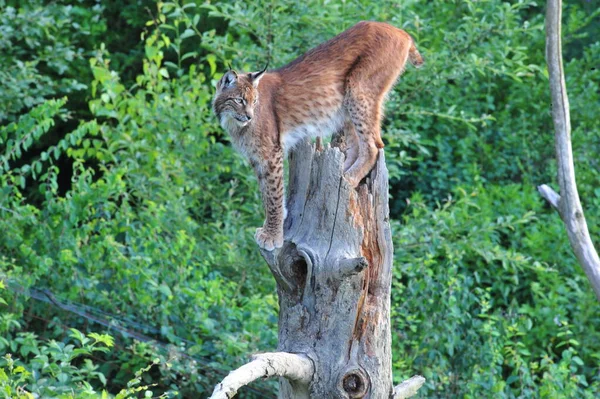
(298, 368)
(409, 387)
(568, 203)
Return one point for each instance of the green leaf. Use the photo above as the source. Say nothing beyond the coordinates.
(163, 72)
(187, 33)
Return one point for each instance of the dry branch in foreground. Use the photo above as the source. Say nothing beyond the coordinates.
(291, 366)
(409, 387)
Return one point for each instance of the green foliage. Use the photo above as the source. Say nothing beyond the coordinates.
(156, 199)
(498, 327)
(52, 374)
(19, 136)
(32, 367)
(133, 204)
(135, 385)
(42, 53)
(51, 371)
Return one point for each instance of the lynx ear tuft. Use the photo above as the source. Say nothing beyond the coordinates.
(228, 80)
(256, 76)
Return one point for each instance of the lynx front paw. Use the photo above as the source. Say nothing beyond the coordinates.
(267, 240)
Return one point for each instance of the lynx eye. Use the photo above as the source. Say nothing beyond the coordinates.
(239, 100)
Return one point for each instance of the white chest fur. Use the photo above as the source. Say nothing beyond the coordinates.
(316, 127)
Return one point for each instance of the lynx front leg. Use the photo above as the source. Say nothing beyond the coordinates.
(270, 178)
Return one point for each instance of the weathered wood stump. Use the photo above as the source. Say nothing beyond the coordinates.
(333, 278)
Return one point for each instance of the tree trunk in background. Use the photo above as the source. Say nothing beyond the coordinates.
(334, 276)
(567, 203)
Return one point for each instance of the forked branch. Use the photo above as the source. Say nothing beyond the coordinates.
(567, 203)
(294, 367)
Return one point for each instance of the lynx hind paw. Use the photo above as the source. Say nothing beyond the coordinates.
(351, 156)
(268, 241)
(352, 179)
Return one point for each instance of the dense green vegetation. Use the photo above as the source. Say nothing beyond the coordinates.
(127, 263)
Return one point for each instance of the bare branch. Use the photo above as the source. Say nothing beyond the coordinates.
(568, 205)
(409, 387)
(352, 266)
(549, 195)
(292, 366)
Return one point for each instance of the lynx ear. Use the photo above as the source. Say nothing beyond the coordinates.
(256, 76)
(228, 80)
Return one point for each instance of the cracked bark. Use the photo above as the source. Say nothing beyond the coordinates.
(334, 276)
(567, 204)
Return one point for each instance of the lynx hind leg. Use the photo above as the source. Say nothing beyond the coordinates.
(366, 86)
(365, 115)
(351, 144)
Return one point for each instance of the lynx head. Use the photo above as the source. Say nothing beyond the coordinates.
(236, 98)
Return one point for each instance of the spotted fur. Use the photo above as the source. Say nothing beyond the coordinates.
(340, 84)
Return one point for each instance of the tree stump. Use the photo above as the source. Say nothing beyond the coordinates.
(333, 277)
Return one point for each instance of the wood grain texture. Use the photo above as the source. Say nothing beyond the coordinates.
(334, 277)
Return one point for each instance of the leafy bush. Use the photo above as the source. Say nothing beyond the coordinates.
(155, 200)
(34, 368)
(498, 327)
(51, 373)
(43, 52)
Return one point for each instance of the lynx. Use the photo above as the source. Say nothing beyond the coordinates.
(340, 84)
